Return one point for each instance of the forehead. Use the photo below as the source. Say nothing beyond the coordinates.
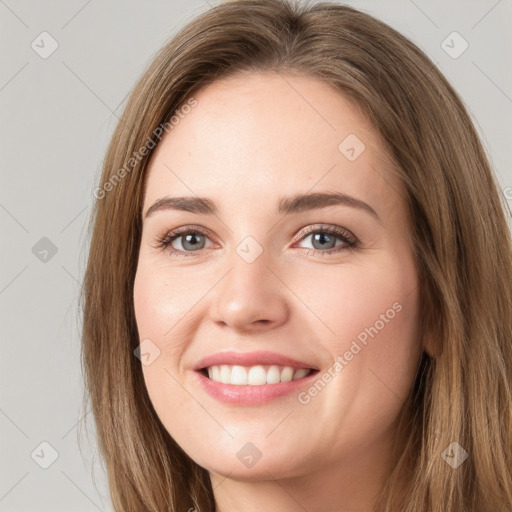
(262, 134)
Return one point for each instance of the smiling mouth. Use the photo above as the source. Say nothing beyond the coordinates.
(257, 375)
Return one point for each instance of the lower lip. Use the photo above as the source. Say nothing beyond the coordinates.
(252, 395)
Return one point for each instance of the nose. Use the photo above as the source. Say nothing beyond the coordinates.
(251, 296)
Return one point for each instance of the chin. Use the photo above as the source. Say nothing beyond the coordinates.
(247, 461)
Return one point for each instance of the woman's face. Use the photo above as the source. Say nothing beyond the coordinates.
(291, 282)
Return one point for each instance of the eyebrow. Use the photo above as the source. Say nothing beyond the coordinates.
(287, 205)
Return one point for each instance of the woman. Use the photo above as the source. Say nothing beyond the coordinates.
(298, 290)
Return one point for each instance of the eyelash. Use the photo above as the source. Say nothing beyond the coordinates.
(163, 243)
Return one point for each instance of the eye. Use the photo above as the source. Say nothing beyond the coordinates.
(188, 241)
(183, 241)
(324, 239)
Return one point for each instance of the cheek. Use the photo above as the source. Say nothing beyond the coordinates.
(372, 334)
(360, 302)
(163, 303)
(159, 307)
(367, 319)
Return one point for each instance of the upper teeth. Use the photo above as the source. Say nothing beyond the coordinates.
(254, 375)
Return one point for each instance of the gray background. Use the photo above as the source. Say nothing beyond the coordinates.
(56, 118)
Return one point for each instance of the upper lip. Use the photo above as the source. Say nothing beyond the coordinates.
(251, 359)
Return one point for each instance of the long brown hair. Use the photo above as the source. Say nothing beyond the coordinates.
(459, 235)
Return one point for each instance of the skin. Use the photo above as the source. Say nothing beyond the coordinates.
(250, 141)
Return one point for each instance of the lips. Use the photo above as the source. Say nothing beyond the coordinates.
(253, 378)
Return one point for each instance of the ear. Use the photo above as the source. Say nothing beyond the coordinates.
(431, 343)
(429, 326)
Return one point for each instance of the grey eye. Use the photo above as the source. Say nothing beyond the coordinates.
(190, 241)
(324, 240)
